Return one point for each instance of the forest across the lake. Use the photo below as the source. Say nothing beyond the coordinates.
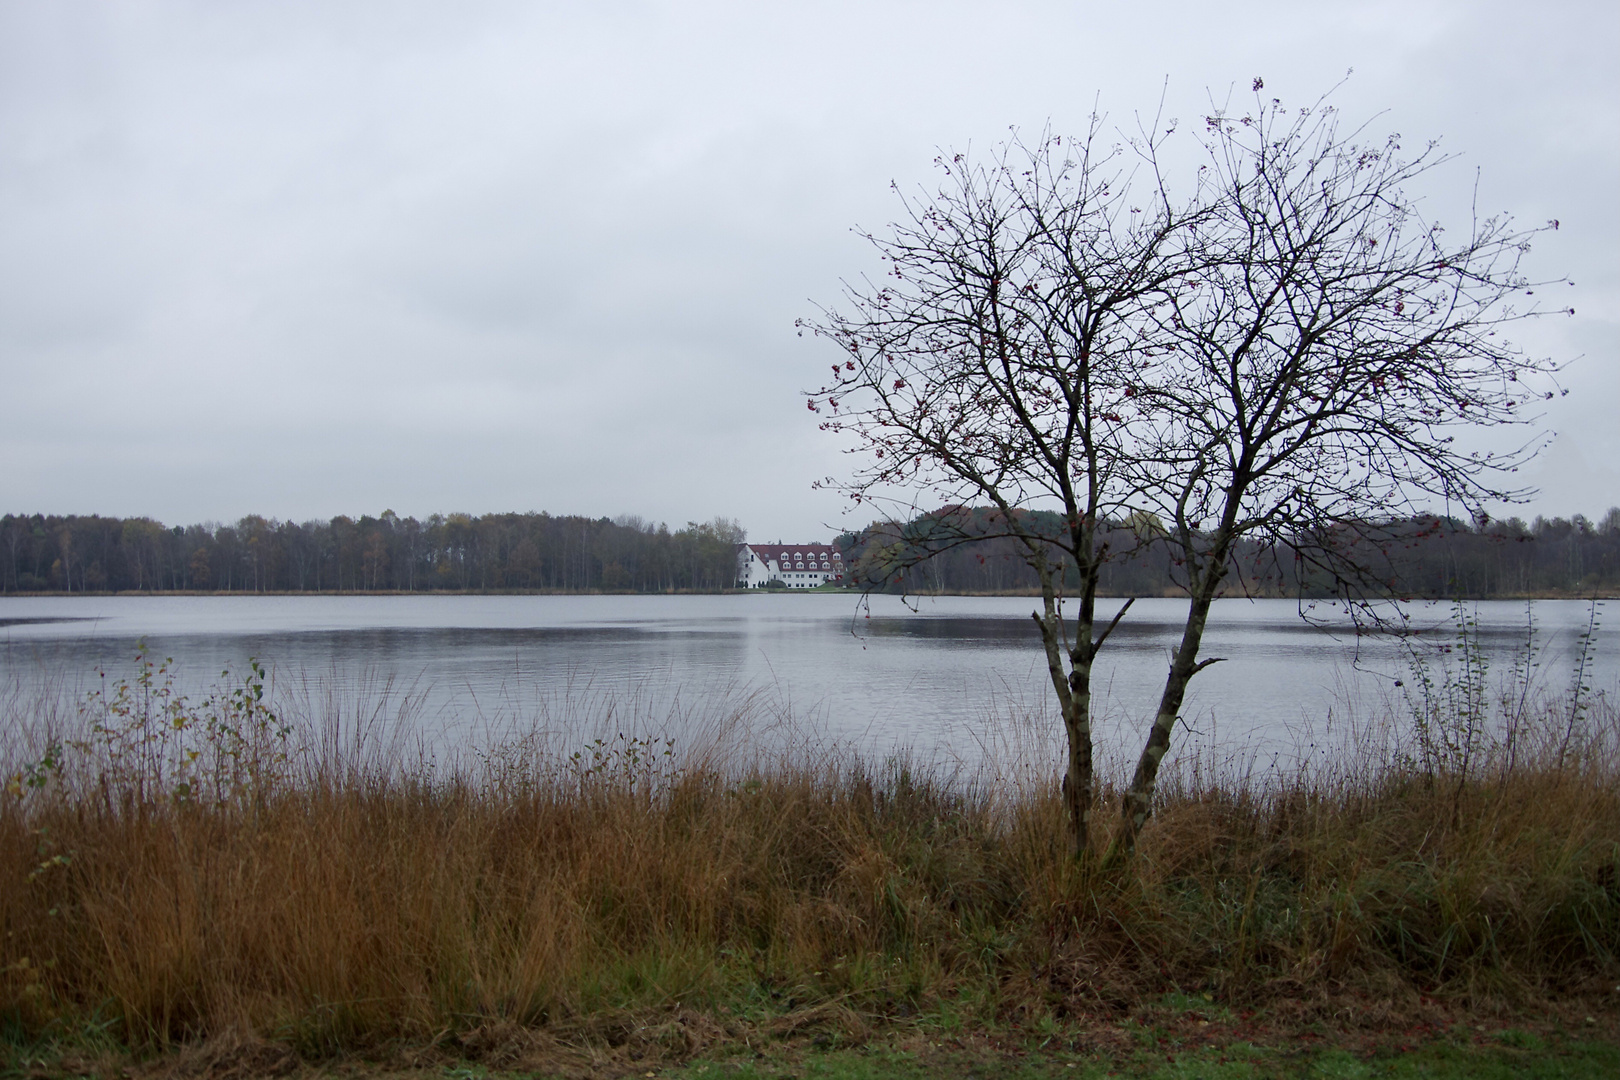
(1423, 556)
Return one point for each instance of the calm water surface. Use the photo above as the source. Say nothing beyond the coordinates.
(935, 677)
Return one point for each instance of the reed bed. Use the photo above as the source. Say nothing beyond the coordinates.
(172, 871)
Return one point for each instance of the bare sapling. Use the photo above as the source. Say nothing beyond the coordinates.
(1278, 361)
(989, 370)
(1306, 388)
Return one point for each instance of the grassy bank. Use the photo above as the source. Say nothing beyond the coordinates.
(173, 873)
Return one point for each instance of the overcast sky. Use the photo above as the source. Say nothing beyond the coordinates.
(308, 259)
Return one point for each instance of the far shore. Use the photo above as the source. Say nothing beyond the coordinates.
(822, 591)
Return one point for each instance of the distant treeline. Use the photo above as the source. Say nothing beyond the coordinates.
(1426, 556)
(460, 552)
(1417, 557)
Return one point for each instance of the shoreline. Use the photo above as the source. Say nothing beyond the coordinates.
(54, 594)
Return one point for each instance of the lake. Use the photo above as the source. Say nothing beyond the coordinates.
(932, 674)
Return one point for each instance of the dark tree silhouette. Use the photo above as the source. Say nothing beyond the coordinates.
(988, 368)
(1304, 388)
(1275, 362)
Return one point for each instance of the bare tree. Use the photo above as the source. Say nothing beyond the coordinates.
(988, 367)
(1305, 388)
(1283, 355)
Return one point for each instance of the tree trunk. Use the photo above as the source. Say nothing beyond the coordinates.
(1074, 702)
(1079, 783)
(1138, 803)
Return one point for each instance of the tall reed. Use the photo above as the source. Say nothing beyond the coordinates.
(181, 869)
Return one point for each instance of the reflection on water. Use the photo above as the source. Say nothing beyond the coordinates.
(880, 676)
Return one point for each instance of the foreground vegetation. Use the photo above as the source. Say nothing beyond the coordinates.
(223, 873)
(921, 1051)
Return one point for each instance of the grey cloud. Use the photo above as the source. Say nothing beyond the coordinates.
(305, 259)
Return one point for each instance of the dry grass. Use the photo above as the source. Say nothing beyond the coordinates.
(193, 872)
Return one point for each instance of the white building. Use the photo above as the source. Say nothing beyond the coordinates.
(797, 566)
